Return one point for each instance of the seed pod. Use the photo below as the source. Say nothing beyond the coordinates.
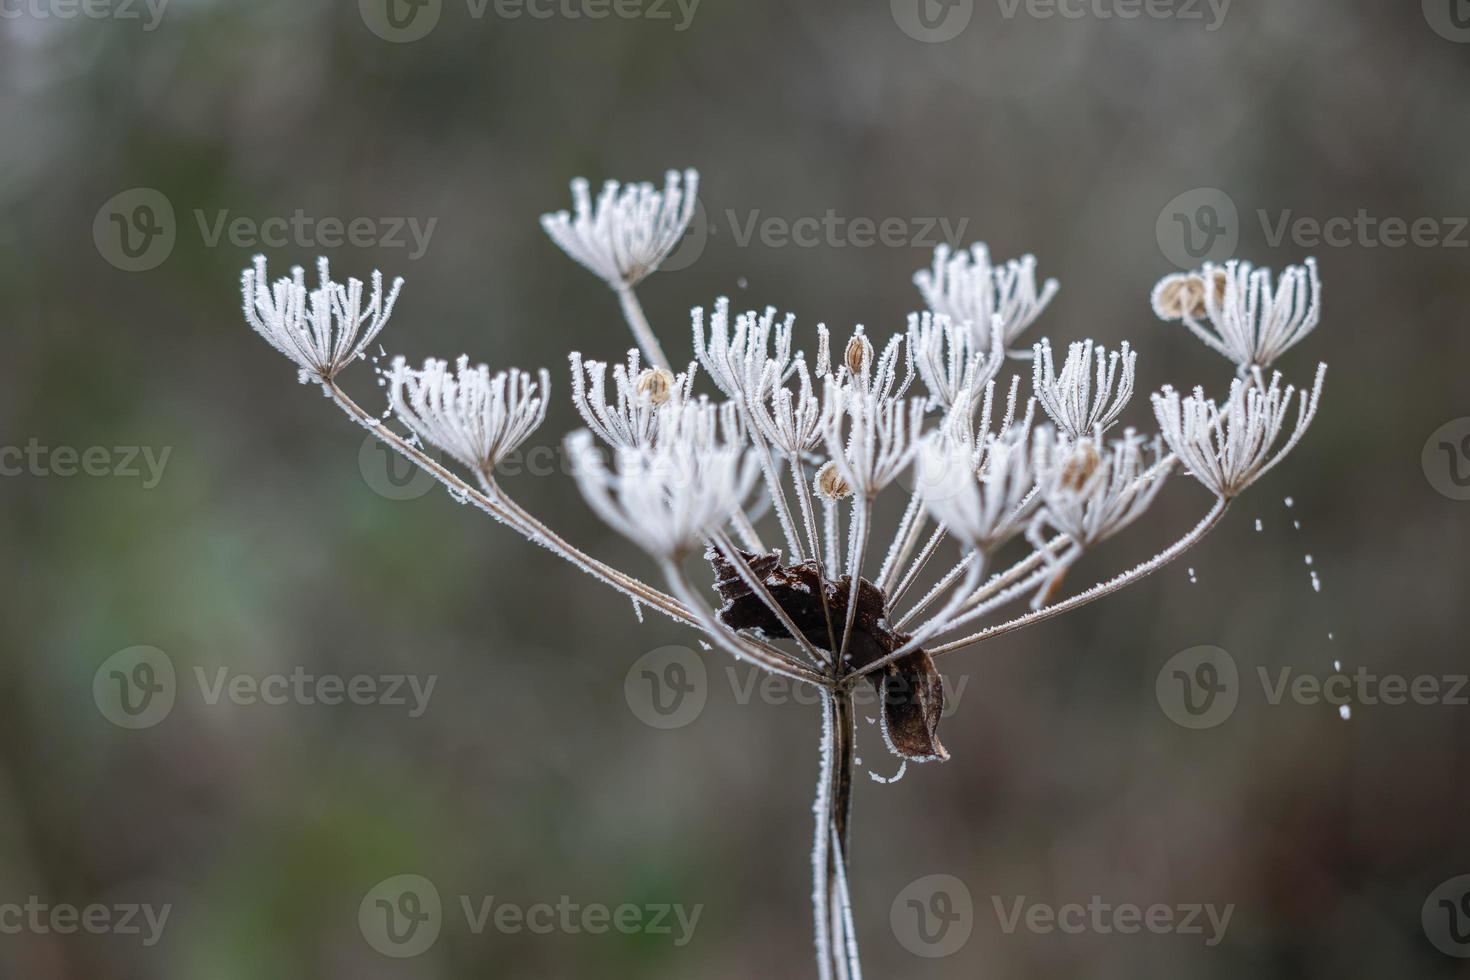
(829, 484)
(859, 354)
(657, 384)
(1179, 294)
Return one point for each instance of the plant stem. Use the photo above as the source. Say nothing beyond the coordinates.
(837, 950)
(642, 332)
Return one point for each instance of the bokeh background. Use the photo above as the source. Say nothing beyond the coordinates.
(272, 543)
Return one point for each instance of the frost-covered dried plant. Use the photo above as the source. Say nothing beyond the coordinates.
(1253, 323)
(991, 299)
(823, 440)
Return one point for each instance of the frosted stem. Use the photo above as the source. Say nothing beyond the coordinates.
(510, 514)
(1100, 589)
(904, 539)
(808, 517)
(837, 951)
(642, 332)
(861, 507)
(919, 564)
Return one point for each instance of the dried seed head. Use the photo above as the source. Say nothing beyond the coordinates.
(859, 354)
(1179, 294)
(1080, 466)
(657, 384)
(829, 484)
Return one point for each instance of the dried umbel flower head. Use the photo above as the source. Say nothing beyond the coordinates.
(1228, 447)
(991, 299)
(630, 420)
(948, 361)
(738, 355)
(829, 484)
(977, 484)
(630, 229)
(1253, 322)
(1090, 392)
(670, 498)
(324, 329)
(474, 416)
(1091, 491)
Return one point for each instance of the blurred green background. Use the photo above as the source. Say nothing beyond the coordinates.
(264, 547)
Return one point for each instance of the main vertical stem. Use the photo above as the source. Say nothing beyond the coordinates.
(837, 951)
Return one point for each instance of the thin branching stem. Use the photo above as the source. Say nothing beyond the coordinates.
(754, 583)
(857, 547)
(910, 526)
(642, 332)
(920, 562)
(510, 514)
(1206, 524)
(808, 517)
